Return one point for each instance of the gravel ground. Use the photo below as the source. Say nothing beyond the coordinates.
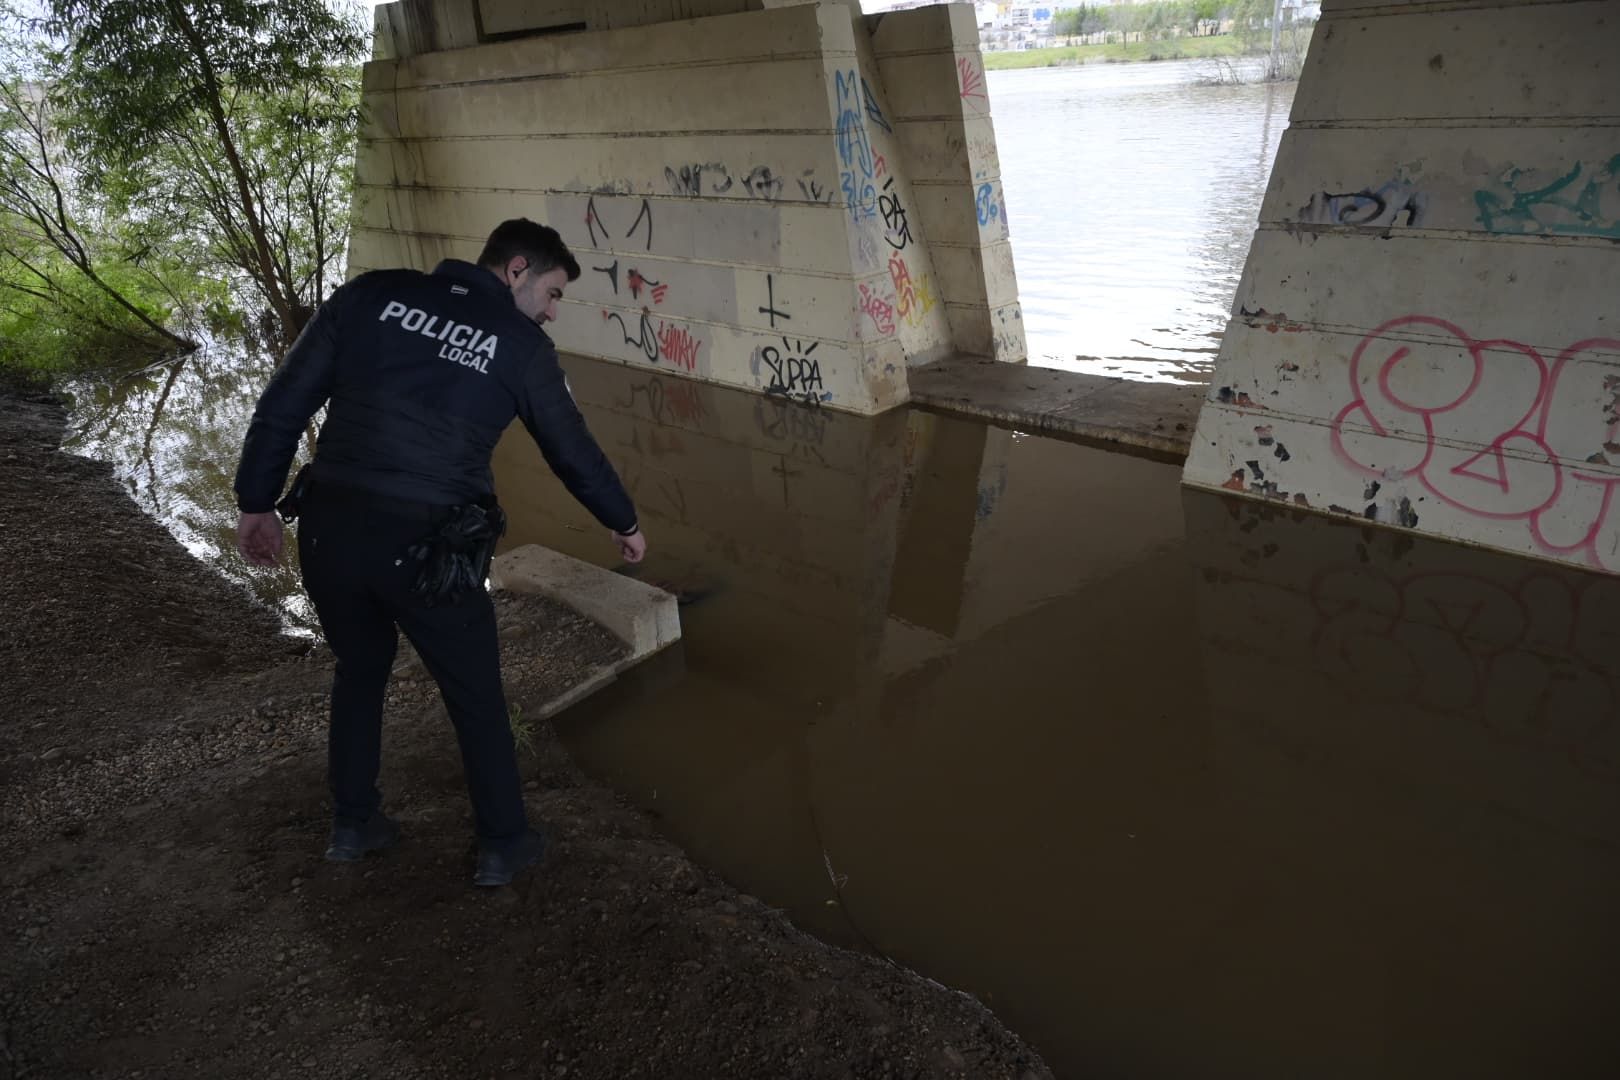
(164, 910)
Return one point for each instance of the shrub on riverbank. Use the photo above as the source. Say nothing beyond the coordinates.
(1183, 48)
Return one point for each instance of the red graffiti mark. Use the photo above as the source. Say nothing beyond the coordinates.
(1236, 482)
(914, 298)
(905, 293)
(880, 165)
(677, 345)
(972, 81)
(685, 401)
(1426, 393)
(638, 281)
(879, 309)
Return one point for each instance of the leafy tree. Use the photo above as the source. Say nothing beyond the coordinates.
(150, 85)
(72, 293)
(297, 149)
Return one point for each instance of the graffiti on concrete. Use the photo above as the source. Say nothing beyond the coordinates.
(794, 372)
(854, 149)
(635, 281)
(645, 339)
(873, 113)
(897, 230)
(770, 308)
(988, 206)
(879, 308)
(1383, 206)
(914, 298)
(812, 189)
(678, 345)
(1585, 201)
(688, 180)
(1427, 395)
(762, 183)
(594, 223)
(970, 80)
(713, 178)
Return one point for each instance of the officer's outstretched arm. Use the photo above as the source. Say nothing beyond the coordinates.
(548, 411)
(297, 390)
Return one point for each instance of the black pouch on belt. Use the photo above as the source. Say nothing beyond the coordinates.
(292, 503)
(453, 561)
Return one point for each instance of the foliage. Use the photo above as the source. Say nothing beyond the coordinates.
(73, 293)
(297, 150)
(192, 101)
(1177, 49)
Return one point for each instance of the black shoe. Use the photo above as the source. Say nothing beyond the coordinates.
(352, 842)
(500, 867)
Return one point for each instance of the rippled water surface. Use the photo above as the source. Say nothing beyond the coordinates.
(1132, 192)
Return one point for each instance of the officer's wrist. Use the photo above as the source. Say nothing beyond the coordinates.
(631, 531)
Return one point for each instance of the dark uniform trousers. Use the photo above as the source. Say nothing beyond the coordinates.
(352, 553)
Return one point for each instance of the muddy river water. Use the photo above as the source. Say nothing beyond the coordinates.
(1181, 786)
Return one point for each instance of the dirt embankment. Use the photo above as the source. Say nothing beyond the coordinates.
(164, 910)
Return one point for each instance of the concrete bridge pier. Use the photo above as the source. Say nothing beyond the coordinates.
(1427, 331)
(785, 197)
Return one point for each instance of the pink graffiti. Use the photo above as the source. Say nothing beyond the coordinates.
(971, 78)
(880, 165)
(677, 345)
(1426, 394)
(880, 309)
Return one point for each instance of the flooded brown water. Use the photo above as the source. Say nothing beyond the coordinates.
(1181, 786)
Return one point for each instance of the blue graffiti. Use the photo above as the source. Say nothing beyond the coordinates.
(873, 113)
(989, 207)
(854, 149)
(1564, 207)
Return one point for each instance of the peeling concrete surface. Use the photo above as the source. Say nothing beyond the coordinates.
(1152, 419)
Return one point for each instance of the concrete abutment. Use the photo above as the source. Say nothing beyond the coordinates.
(788, 198)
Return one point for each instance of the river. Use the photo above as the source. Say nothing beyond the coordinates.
(1132, 192)
(1181, 786)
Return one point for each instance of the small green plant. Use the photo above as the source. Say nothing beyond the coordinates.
(522, 730)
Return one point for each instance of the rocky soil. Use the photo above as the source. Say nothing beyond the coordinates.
(164, 910)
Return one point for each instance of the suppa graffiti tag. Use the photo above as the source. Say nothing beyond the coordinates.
(879, 309)
(795, 372)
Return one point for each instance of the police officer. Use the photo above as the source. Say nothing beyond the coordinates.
(420, 373)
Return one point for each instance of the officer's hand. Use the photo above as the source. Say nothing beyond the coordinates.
(632, 547)
(258, 538)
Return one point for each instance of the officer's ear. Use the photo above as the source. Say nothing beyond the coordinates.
(514, 269)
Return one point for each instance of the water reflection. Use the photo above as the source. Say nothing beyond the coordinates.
(172, 434)
(1133, 192)
(1247, 795)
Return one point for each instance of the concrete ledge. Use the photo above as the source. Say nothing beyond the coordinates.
(1151, 419)
(643, 617)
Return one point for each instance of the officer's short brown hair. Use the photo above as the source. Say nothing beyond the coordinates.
(540, 244)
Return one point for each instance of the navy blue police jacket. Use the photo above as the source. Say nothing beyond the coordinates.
(421, 373)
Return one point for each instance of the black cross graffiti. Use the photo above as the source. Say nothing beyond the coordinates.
(770, 302)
